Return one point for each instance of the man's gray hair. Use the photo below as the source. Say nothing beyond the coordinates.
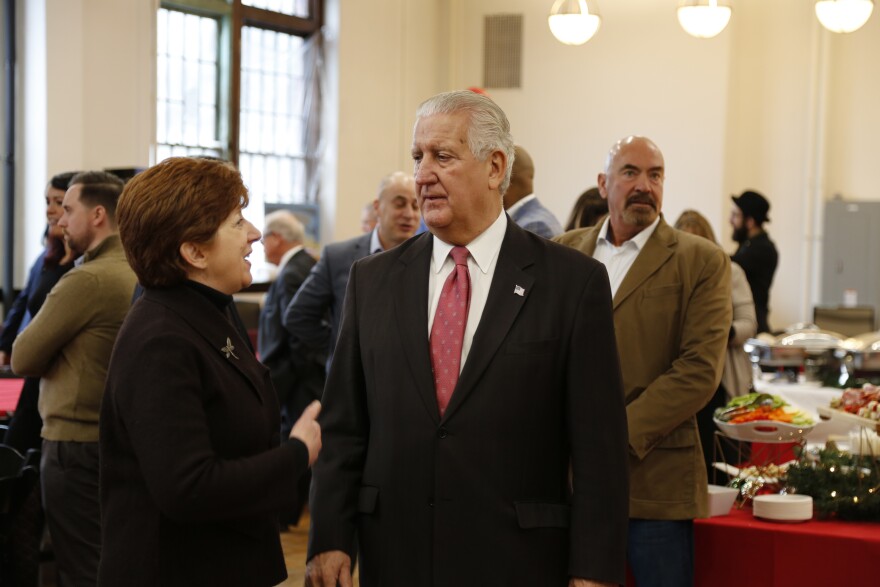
(286, 225)
(488, 128)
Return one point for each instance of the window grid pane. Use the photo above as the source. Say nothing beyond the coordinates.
(298, 8)
(272, 160)
(187, 111)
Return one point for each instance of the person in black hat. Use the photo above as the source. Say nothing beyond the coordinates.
(756, 253)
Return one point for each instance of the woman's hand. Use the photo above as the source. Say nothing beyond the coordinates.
(308, 430)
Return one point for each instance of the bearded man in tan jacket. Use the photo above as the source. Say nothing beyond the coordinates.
(672, 315)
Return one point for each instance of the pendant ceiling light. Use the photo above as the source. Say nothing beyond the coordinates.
(843, 16)
(574, 22)
(703, 18)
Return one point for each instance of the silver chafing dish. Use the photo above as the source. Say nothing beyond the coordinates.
(802, 348)
(861, 354)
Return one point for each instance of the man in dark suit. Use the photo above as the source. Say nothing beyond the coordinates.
(672, 316)
(296, 374)
(474, 429)
(521, 202)
(306, 318)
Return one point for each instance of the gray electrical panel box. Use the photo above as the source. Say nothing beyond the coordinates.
(851, 254)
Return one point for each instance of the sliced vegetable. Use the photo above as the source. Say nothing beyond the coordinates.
(761, 406)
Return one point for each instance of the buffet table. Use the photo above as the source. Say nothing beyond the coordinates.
(738, 550)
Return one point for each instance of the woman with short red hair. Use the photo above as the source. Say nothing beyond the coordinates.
(193, 475)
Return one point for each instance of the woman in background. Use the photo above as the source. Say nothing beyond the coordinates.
(736, 379)
(21, 561)
(588, 209)
(57, 259)
(193, 475)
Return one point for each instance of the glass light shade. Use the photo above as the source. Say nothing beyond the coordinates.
(843, 16)
(574, 22)
(703, 19)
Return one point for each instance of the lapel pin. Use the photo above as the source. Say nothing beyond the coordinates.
(519, 290)
(229, 348)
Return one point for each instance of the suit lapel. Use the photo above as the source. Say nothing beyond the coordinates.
(411, 308)
(360, 249)
(658, 249)
(210, 324)
(502, 307)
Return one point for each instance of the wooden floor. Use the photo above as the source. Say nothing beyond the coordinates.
(294, 543)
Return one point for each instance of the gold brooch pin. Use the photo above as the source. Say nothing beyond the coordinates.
(228, 348)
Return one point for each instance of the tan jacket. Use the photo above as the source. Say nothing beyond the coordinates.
(672, 316)
(68, 343)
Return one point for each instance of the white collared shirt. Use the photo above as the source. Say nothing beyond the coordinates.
(288, 256)
(512, 210)
(482, 260)
(618, 260)
(375, 243)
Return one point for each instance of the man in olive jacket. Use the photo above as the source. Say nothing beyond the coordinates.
(672, 314)
(68, 344)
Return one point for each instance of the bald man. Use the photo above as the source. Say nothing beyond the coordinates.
(522, 205)
(323, 292)
(672, 314)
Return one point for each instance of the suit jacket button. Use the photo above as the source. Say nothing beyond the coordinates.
(442, 433)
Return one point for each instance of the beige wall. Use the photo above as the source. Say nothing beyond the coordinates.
(390, 55)
(852, 153)
(87, 97)
(774, 103)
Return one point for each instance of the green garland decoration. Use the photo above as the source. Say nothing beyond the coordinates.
(843, 486)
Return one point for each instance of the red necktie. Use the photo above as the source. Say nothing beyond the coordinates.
(447, 331)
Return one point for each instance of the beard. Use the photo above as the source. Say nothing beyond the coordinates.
(640, 216)
(741, 234)
(80, 244)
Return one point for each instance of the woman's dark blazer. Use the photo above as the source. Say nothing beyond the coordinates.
(192, 475)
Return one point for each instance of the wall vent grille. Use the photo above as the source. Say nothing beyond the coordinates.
(502, 52)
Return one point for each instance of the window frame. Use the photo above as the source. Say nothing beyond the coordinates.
(234, 15)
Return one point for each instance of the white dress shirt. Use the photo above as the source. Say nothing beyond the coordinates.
(375, 243)
(482, 260)
(288, 256)
(618, 260)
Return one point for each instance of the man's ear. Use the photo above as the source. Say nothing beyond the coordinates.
(194, 254)
(601, 181)
(497, 168)
(99, 215)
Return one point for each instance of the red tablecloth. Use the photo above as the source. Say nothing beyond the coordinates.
(738, 550)
(10, 389)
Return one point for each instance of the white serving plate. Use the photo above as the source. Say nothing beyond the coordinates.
(833, 414)
(769, 431)
(783, 508)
